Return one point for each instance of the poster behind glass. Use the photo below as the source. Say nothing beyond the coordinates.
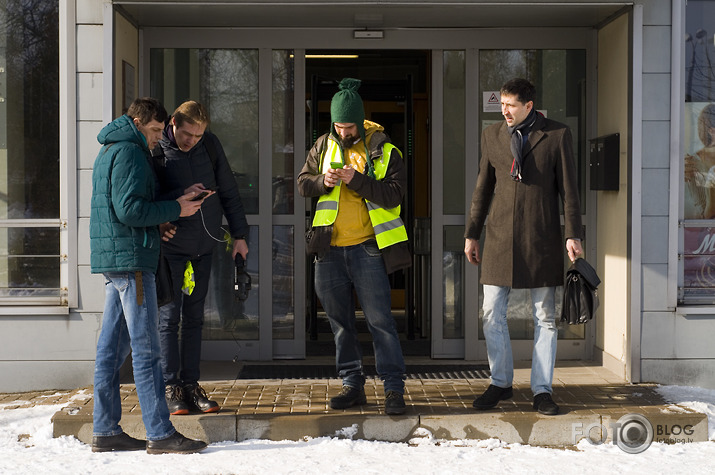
(699, 155)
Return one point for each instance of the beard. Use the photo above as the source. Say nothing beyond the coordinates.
(347, 142)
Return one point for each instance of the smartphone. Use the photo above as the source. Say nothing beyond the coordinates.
(200, 196)
(336, 165)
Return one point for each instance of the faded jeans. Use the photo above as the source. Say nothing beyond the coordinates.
(125, 325)
(496, 333)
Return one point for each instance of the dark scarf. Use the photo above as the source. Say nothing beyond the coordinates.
(517, 143)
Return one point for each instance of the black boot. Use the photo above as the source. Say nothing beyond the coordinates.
(198, 400)
(112, 443)
(394, 403)
(545, 404)
(176, 400)
(348, 397)
(492, 396)
(174, 444)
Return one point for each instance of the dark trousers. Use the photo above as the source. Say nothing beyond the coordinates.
(181, 350)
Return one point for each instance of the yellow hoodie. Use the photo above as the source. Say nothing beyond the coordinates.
(352, 225)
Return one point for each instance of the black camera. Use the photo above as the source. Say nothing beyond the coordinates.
(241, 279)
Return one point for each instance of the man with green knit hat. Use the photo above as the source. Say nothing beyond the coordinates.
(358, 238)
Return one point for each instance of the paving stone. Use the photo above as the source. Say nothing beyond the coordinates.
(294, 409)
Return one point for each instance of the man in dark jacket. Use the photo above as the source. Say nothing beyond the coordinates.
(526, 169)
(191, 155)
(124, 240)
(358, 238)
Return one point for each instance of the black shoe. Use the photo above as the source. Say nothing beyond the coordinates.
(111, 443)
(174, 444)
(175, 400)
(492, 396)
(348, 397)
(545, 405)
(197, 400)
(394, 403)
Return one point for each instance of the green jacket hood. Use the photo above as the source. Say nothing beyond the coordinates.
(121, 129)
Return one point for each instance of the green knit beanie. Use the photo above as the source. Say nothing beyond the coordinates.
(346, 106)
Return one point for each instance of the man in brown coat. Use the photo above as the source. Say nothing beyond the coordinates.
(526, 168)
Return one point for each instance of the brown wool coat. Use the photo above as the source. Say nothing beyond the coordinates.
(524, 246)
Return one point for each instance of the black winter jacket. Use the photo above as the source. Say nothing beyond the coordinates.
(181, 170)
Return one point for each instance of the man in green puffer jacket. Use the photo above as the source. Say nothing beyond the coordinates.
(125, 240)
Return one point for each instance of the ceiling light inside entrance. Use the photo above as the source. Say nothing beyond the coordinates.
(330, 56)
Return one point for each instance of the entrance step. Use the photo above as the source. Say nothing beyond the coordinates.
(276, 409)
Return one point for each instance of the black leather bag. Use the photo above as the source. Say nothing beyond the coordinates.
(317, 240)
(580, 293)
(164, 282)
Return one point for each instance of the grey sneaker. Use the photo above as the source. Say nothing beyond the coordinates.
(394, 403)
(349, 397)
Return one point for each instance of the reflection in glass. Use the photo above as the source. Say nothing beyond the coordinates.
(283, 90)
(453, 282)
(283, 304)
(226, 82)
(225, 316)
(29, 111)
(453, 132)
(29, 262)
(29, 147)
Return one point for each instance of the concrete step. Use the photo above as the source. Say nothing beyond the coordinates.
(298, 409)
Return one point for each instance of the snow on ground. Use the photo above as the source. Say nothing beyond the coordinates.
(27, 447)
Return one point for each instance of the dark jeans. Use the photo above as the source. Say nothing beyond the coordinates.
(336, 274)
(180, 357)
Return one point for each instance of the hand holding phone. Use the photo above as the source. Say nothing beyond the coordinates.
(200, 196)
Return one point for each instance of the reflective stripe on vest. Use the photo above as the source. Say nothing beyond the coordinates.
(326, 211)
(387, 224)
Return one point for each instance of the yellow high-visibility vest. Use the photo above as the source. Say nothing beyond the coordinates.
(388, 226)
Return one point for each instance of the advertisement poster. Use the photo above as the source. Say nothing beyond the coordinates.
(699, 160)
(699, 264)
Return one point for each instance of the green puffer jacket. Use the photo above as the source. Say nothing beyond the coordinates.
(123, 225)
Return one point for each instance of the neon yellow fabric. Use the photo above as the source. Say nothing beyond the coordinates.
(387, 224)
(189, 281)
(350, 226)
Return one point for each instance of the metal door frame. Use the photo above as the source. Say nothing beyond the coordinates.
(298, 40)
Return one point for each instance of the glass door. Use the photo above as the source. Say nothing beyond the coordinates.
(560, 79)
(465, 84)
(256, 127)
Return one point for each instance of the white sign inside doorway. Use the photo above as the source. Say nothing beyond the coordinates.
(491, 101)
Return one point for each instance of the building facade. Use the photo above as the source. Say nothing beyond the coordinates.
(633, 80)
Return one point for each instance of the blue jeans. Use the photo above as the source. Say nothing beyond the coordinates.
(496, 333)
(125, 325)
(336, 274)
(181, 358)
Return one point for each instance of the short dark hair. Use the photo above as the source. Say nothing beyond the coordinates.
(521, 88)
(147, 109)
